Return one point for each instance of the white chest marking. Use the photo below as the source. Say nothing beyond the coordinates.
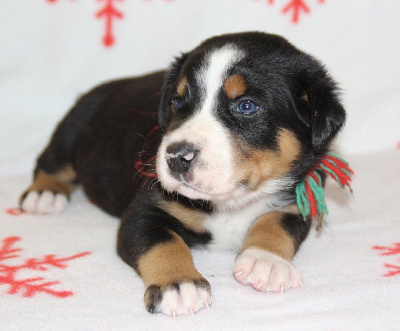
(229, 228)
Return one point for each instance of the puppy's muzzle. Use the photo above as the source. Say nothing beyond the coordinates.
(180, 158)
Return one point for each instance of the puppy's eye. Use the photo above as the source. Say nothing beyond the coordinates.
(176, 103)
(247, 107)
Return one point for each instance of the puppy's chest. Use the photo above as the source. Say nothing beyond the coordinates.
(228, 229)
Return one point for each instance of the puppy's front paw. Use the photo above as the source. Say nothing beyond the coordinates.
(45, 202)
(175, 299)
(265, 271)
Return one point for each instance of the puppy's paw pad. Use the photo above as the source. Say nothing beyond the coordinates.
(45, 202)
(265, 271)
(185, 298)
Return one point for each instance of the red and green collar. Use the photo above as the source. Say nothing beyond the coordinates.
(310, 191)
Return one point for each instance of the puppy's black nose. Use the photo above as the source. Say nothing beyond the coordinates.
(180, 156)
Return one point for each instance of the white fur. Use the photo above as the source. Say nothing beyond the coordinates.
(189, 300)
(213, 178)
(60, 202)
(265, 271)
(45, 203)
(30, 202)
(229, 226)
(214, 75)
(267, 192)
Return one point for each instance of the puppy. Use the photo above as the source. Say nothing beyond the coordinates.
(241, 120)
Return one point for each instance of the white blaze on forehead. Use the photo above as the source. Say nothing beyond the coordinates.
(214, 176)
(214, 73)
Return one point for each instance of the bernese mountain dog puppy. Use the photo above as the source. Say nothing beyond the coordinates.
(240, 121)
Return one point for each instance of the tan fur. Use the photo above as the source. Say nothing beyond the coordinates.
(254, 167)
(192, 219)
(168, 263)
(235, 86)
(60, 182)
(182, 86)
(267, 234)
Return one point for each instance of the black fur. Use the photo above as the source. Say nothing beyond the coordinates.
(145, 225)
(297, 227)
(105, 136)
(109, 144)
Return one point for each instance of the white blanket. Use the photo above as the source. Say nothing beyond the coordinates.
(53, 50)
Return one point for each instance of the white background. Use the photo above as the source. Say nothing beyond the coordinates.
(52, 52)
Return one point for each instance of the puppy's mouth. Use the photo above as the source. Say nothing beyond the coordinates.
(195, 194)
(193, 191)
(199, 168)
(211, 194)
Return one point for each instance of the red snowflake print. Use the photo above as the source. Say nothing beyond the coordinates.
(294, 8)
(28, 287)
(394, 272)
(15, 211)
(109, 13)
(387, 251)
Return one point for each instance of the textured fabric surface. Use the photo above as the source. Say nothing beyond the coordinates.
(51, 51)
(344, 277)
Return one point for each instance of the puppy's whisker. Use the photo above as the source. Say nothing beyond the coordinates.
(138, 173)
(150, 184)
(155, 183)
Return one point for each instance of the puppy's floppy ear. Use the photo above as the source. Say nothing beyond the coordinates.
(327, 115)
(173, 74)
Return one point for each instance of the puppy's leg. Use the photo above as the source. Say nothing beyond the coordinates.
(151, 241)
(54, 178)
(49, 191)
(264, 260)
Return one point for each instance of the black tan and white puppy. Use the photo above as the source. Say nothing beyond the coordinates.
(242, 119)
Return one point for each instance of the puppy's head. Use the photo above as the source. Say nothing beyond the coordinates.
(243, 115)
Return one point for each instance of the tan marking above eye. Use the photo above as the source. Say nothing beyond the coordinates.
(182, 86)
(256, 166)
(235, 86)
